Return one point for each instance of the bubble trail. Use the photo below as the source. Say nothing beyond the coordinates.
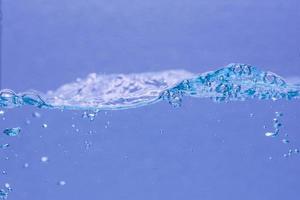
(235, 82)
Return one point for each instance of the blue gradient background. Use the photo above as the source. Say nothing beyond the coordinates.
(202, 150)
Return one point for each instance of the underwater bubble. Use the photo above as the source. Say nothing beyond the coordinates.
(44, 159)
(278, 114)
(26, 165)
(277, 125)
(270, 134)
(45, 125)
(7, 186)
(61, 183)
(2, 112)
(296, 151)
(73, 125)
(285, 141)
(36, 114)
(4, 146)
(3, 194)
(12, 131)
(270, 157)
(28, 122)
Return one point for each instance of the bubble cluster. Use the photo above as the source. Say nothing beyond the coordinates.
(12, 131)
(112, 92)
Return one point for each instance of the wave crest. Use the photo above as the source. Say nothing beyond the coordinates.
(120, 91)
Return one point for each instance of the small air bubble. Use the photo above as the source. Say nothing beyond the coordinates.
(278, 114)
(45, 125)
(36, 115)
(26, 165)
(2, 112)
(270, 134)
(7, 186)
(61, 183)
(285, 141)
(44, 159)
(4, 146)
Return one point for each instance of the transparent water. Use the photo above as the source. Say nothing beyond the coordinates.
(136, 100)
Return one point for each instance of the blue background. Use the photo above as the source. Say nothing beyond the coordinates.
(202, 150)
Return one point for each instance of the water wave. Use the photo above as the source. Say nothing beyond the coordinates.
(122, 91)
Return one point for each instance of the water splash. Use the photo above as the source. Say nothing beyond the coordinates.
(235, 82)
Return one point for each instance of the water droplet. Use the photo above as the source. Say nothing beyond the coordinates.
(12, 131)
(61, 183)
(45, 125)
(44, 159)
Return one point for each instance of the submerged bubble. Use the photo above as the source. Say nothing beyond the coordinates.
(4, 146)
(278, 114)
(44, 159)
(45, 125)
(36, 114)
(61, 183)
(2, 112)
(26, 165)
(270, 134)
(7, 186)
(12, 131)
(3, 194)
(285, 141)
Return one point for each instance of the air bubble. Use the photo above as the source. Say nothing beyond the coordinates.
(4, 146)
(12, 131)
(36, 115)
(26, 165)
(285, 141)
(44, 159)
(270, 134)
(45, 125)
(61, 183)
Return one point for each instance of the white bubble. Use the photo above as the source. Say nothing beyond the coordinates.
(61, 183)
(45, 125)
(44, 159)
(270, 134)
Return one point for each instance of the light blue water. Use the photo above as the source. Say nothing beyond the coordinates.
(235, 82)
